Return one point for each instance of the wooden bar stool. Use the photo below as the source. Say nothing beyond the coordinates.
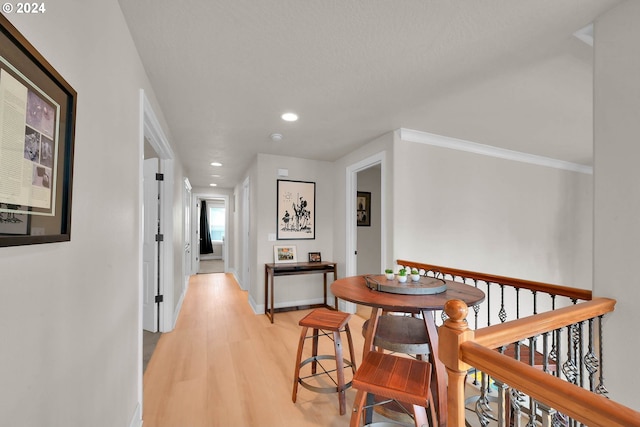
(400, 379)
(324, 321)
(401, 334)
(404, 334)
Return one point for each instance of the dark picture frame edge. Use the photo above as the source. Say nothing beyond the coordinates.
(363, 209)
(315, 257)
(36, 68)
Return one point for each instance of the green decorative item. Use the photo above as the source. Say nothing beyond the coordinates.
(389, 273)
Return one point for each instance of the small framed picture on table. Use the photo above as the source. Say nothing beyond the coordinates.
(315, 257)
(284, 253)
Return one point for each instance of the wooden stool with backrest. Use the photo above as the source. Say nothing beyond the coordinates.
(329, 323)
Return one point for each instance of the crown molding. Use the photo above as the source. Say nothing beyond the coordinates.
(491, 151)
(585, 34)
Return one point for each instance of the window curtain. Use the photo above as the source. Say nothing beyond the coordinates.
(205, 238)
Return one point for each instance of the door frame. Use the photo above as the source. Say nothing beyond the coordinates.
(151, 218)
(187, 263)
(351, 231)
(152, 131)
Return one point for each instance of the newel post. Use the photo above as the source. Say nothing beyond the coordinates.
(451, 334)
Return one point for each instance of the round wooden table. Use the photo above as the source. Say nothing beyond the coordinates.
(354, 289)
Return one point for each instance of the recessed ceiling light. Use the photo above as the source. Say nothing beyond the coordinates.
(216, 164)
(276, 137)
(289, 117)
(213, 185)
(215, 176)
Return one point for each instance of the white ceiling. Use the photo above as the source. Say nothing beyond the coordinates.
(507, 73)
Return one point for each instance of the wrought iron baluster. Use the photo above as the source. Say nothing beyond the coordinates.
(558, 351)
(532, 402)
(545, 352)
(560, 420)
(502, 314)
(601, 389)
(517, 397)
(483, 410)
(476, 309)
(488, 301)
(591, 360)
(580, 356)
(553, 353)
(569, 368)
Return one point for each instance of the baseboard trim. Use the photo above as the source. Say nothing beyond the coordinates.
(136, 421)
(179, 306)
(260, 308)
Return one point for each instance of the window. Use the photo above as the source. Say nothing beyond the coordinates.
(216, 223)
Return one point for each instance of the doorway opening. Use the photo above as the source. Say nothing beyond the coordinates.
(366, 245)
(156, 315)
(214, 227)
(211, 212)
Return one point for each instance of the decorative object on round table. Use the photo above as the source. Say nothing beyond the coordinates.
(389, 273)
(402, 275)
(424, 286)
(415, 274)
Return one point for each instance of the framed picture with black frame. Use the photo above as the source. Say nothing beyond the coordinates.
(38, 110)
(315, 257)
(296, 210)
(363, 209)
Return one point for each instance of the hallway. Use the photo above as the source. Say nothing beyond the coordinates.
(223, 365)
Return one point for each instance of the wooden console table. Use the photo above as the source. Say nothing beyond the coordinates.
(288, 269)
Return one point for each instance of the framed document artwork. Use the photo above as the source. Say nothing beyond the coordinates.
(37, 112)
(296, 210)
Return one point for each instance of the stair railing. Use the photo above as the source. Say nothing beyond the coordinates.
(573, 352)
(462, 349)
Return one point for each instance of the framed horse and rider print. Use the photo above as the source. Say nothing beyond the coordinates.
(296, 210)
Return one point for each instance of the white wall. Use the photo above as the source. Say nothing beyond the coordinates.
(481, 213)
(69, 325)
(289, 290)
(617, 193)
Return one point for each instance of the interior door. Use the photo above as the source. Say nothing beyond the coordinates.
(186, 203)
(245, 236)
(150, 247)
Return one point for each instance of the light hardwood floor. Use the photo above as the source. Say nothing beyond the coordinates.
(223, 365)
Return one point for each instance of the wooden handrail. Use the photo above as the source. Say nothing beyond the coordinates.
(587, 407)
(578, 294)
(462, 348)
(530, 326)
